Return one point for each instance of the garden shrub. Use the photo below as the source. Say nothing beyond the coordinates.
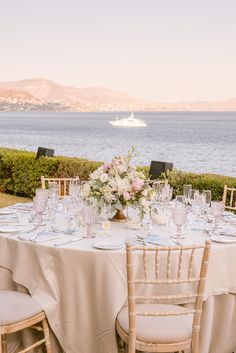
(20, 173)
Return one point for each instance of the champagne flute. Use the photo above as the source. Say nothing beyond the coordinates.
(187, 190)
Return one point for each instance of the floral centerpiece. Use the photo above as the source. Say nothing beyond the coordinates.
(120, 184)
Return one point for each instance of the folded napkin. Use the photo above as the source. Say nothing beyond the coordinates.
(156, 240)
(38, 236)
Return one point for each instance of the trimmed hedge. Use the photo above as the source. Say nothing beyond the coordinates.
(20, 173)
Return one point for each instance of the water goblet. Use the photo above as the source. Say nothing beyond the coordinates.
(217, 209)
(89, 214)
(179, 216)
(39, 204)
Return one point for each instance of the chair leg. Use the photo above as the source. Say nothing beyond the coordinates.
(47, 336)
(3, 345)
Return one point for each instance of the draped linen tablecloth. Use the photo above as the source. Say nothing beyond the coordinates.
(82, 289)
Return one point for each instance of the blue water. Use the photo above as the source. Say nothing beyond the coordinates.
(197, 142)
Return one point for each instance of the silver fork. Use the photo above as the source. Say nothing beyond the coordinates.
(69, 241)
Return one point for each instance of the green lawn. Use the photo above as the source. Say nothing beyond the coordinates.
(7, 199)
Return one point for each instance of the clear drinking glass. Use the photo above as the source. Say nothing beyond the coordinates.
(89, 214)
(187, 191)
(106, 224)
(217, 209)
(179, 216)
(39, 204)
(193, 195)
(180, 199)
(207, 194)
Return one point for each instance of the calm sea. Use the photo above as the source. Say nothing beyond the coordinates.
(197, 142)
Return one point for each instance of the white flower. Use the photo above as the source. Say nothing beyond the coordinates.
(104, 177)
(86, 189)
(145, 193)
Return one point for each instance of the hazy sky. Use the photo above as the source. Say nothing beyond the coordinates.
(167, 50)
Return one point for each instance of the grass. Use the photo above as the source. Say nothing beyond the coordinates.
(8, 200)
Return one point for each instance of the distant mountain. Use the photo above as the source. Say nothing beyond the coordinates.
(45, 95)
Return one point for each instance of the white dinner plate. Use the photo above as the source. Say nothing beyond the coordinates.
(6, 212)
(223, 239)
(102, 245)
(10, 229)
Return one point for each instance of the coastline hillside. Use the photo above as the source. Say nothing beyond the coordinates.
(45, 95)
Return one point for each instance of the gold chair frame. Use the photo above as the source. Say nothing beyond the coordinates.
(229, 198)
(27, 323)
(182, 253)
(63, 184)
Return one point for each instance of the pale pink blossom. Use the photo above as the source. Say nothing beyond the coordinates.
(126, 196)
(137, 184)
(106, 167)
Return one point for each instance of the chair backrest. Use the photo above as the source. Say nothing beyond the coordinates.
(62, 183)
(184, 268)
(229, 198)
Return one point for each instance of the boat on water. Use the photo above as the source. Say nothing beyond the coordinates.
(131, 121)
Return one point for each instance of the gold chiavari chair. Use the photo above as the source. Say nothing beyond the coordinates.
(19, 311)
(229, 198)
(158, 323)
(62, 183)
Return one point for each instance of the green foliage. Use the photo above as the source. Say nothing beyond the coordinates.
(20, 173)
(213, 182)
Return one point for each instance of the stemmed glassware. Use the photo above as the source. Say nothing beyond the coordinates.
(89, 214)
(179, 216)
(207, 194)
(40, 204)
(217, 210)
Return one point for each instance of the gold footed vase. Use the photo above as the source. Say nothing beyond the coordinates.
(119, 216)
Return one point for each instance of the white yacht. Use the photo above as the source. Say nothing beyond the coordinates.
(128, 122)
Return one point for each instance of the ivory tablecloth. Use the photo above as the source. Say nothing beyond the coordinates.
(82, 289)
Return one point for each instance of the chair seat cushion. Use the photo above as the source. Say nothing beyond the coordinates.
(17, 306)
(158, 329)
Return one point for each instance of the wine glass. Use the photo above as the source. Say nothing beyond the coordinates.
(179, 216)
(89, 214)
(217, 209)
(39, 204)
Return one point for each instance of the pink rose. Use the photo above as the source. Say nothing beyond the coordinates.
(137, 185)
(126, 196)
(106, 167)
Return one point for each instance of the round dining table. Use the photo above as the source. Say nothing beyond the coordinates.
(81, 284)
